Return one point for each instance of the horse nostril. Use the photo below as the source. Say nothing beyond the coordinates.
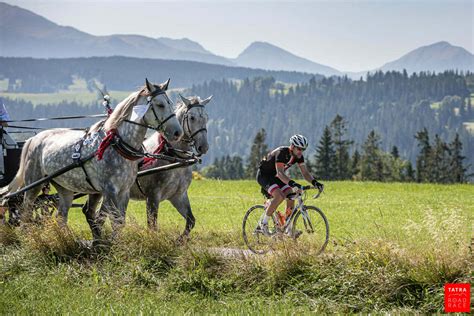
(200, 148)
(176, 134)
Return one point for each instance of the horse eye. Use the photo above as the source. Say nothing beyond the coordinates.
(161, 105)
(192, 118)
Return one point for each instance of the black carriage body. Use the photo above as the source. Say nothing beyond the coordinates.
(11, 160)
(12, 163)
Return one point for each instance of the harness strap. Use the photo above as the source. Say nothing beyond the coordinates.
(139, 186)
(76, 157)
(127, 151)
(185, 123)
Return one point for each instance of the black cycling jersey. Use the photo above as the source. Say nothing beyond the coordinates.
(280, 154)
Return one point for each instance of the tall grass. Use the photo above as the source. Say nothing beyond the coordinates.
(50, 268)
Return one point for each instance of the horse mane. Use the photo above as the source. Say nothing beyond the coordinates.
(120, 113)
(123, 110)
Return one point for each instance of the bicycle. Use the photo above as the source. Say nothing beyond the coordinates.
(306, 224)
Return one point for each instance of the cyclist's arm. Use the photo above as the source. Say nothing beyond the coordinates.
(305, 172)
(280, 168)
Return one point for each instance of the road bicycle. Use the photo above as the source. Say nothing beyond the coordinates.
(306, 224)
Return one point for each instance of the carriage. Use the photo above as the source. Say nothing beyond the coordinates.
(45, 203)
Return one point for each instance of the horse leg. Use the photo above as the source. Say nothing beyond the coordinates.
(89, 210)
(115, 206)
(181, 203)
(152, 205)
(65, 201)
(32, 174)
(26, 213)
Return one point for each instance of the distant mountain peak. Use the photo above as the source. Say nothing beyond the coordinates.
(438, 56)
(265, 46)
(265, 55)
(183, 44)
(27, 34)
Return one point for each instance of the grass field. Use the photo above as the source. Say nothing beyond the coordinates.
(392, 248)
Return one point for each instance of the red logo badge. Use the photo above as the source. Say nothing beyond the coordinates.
(457, 298)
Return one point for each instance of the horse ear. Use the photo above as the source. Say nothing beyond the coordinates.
(149, 86)
(205, 101)
(164, 85)
(185, 100)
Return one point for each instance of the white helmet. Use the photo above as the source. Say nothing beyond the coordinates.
(299, 141)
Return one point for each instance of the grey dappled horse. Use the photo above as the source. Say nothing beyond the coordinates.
(173, 184)
(113, 174)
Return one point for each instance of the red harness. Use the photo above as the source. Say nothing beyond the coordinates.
(162, 142)
(122, 148)
(109, 137)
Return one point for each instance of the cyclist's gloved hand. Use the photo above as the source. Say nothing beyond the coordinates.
(293, 184)
(318, 185)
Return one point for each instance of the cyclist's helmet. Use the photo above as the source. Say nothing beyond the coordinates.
(299, 141)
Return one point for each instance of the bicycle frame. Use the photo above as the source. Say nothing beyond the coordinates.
(299, 197)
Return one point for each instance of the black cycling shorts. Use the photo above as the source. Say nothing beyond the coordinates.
(270, 183)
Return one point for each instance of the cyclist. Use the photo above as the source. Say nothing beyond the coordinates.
(275, 183)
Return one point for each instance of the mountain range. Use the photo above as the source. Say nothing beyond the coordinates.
(26, 34)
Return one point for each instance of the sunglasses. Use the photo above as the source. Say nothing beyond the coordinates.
(300, 149)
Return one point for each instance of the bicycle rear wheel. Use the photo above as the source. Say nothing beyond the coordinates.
(254, 238)
(314, 228)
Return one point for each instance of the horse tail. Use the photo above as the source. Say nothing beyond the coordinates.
(19, 179)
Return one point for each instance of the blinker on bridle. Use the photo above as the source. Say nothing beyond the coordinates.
(150, 98)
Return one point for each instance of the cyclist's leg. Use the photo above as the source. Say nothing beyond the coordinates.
(290, 204)
(278, 197)
(271, 185)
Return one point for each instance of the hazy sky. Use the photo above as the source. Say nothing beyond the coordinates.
(347, 35)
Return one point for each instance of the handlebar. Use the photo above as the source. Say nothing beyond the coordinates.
(310, 187)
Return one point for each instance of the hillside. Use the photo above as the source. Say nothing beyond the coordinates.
(435, 57)
(267, 56)
(122, 73)
(26, 34)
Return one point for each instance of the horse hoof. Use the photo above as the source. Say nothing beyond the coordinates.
(182, 239)
(101, 244)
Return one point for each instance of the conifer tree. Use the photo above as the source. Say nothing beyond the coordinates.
(325, 157)
(355, 161)
(457, 169)
(439, 171)
(423, 161)
(341, 146)
(394, 152)
(371, 162)
(258, 150)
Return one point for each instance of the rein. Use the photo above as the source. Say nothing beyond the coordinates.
(125, 150)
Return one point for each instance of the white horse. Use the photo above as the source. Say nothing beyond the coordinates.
(112, 171)
(173, 184)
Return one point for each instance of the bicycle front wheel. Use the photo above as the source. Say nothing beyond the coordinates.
(312, 228)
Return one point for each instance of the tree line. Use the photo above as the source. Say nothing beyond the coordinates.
(393, 104)
(337, 158)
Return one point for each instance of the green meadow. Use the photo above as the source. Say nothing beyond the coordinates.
(392, 248)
